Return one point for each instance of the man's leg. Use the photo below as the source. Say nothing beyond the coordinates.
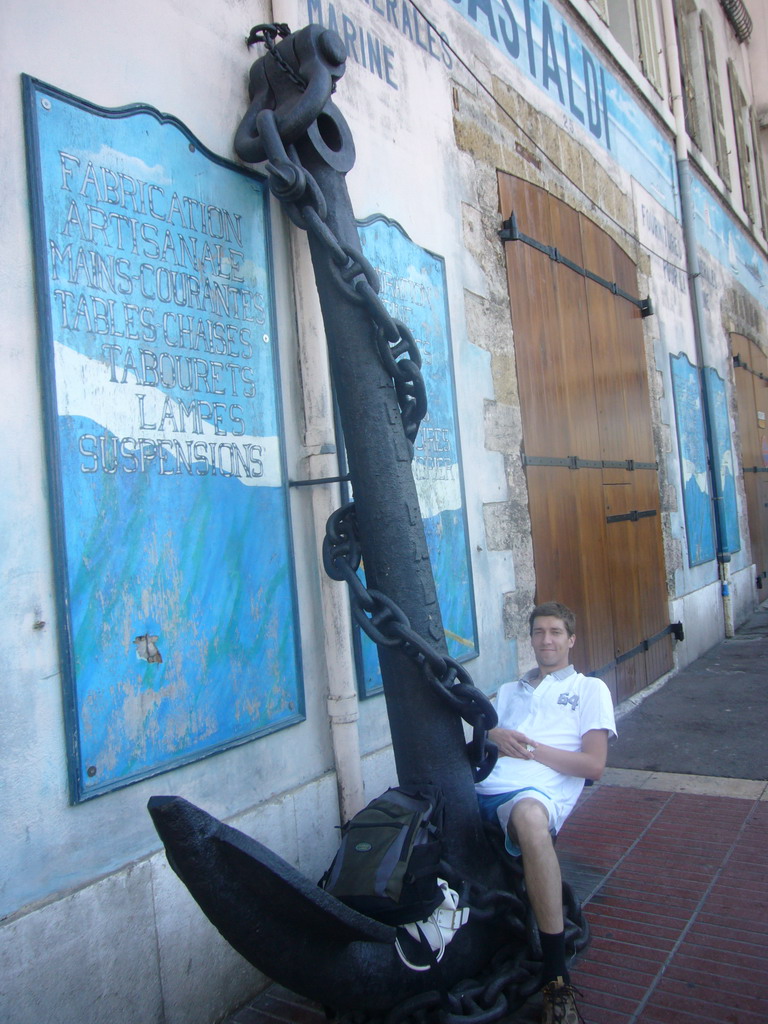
(529, 827)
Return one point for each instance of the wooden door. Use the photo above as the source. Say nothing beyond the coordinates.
(751, 377)
(588, 444)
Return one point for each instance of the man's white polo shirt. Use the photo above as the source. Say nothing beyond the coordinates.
(557, 712)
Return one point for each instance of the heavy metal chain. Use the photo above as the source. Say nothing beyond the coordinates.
(512, 975)
(387, 625)
(267, 34)
(380, 617)
(352, 273)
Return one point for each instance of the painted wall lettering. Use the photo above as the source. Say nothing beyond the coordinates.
(163, 416)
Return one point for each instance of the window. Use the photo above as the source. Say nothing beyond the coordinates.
(743, 131)
(636, 26)
(701, 86)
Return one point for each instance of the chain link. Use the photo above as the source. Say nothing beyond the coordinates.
(267, 34)
(512, 975)
(386, 624)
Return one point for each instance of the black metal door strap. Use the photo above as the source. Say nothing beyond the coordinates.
(739, 363)
(574, 462)
(510, 233)
(631, 517)
(675, 628)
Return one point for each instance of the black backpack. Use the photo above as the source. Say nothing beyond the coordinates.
(387, 864)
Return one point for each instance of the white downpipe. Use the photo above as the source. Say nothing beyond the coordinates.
(322, 462)
(694, 277)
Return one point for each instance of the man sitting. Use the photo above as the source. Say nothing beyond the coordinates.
(552, 735)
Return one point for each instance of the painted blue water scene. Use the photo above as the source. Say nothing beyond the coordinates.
(413, 289)
(175, 570)
(699, 526)
(723, 460)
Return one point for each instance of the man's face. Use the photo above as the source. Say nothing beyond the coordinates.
(551, 643)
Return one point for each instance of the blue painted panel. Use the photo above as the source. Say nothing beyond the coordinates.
(176, 583)
(721, 440)
(727, 243)
(693, 460)
(413, 289)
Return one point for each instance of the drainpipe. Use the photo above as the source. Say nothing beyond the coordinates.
(697, 300)
(321, 463)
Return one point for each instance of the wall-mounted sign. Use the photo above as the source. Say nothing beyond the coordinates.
(176, 584)
(723, 460)
(413, 289)
(697, 502)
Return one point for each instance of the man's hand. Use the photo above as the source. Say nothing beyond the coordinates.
(512, 743)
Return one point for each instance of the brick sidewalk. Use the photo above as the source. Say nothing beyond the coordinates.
(679, 916)
(673, 873)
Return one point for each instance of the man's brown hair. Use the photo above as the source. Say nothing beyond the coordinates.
(557, 611)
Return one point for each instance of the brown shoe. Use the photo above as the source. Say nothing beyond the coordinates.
(560, 1004)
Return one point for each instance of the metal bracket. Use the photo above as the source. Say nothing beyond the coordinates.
(574, 462)
(675, 629)
(631, 517)
(511, 233)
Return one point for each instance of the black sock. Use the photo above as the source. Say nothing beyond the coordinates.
(553, 950)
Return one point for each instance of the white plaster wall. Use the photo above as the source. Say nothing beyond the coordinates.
(698, 611)
(134, 946)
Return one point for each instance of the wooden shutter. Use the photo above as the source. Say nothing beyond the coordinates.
(751, 380)
(588, 443)
(715, 100)
(762, 199)
(649, 42)
(739, 106)
(683, 13)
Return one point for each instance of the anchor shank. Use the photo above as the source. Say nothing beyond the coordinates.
(427, 734)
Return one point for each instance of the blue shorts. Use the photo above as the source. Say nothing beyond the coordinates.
(498, 807)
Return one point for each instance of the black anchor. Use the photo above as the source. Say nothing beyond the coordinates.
(282, 923)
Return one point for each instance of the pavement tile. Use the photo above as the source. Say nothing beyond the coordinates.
(746, 930)
(681, 1015)
(608, 958)
(600, 978)
(733, 954)
(705, 1000)
(638, 915)
(708, 973)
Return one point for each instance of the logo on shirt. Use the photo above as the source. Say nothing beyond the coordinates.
(564, 698)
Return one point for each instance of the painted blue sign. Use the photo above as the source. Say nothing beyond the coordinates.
(697, 501)
(723, 460)
(177, 593)
(413, 289)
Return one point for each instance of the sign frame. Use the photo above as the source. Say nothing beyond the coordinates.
(240, 691)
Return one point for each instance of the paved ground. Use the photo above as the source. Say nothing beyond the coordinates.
(709, 719)
(669, 855)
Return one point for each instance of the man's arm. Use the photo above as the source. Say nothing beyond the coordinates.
(588, 763)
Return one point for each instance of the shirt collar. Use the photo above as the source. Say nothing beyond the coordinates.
(559, 675)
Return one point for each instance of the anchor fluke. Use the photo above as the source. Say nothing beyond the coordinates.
(283, 923)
